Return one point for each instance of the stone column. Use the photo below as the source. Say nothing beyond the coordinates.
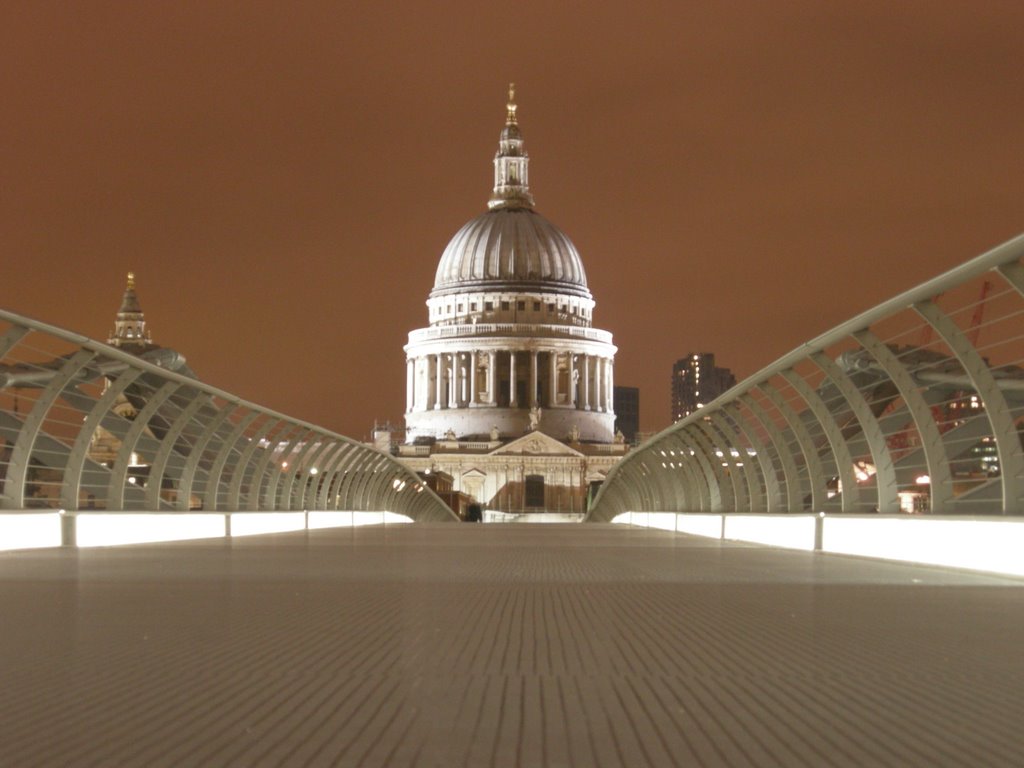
(586, 382)
(463, 379)
(472, 378)
(415, 383)
(553, 372)
(610, 388)
(428, 390)
(512, 379)
(572, 380)
(533, 378)
(492, 378)
(440, 396)
(410, 384)
(453, 385)
(604, 384)
(598, 384)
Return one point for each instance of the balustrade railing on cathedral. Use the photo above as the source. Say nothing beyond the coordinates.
(509, 329)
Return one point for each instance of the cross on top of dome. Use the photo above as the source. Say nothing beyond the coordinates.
(511, 105)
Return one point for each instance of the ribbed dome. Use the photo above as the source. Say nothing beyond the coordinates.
(510, 249)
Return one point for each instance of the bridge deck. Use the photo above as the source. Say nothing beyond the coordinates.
(507, 645)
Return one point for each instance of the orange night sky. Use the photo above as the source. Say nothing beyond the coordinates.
(282, 177)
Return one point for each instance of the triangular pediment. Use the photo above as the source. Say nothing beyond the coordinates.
(536, 444)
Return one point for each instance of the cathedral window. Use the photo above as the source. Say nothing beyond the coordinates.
(536, 306)
(551, 307)
(472, 306)
(520, 305)
(489, 305)
(504, 305)
(461, 308)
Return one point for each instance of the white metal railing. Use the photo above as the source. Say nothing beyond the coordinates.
(87, 427)
(912, 406)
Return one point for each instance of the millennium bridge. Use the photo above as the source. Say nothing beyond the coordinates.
(822, 567)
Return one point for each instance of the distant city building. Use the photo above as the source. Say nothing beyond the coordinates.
(696, 381)
(627, 411)
(509, 388)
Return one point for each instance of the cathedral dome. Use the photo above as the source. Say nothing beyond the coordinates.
(511, 347)
(510, 248)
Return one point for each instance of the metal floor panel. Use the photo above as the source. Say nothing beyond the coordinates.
(491, 645)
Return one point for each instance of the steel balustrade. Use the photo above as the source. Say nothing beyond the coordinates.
(915, 405)
(86, 426)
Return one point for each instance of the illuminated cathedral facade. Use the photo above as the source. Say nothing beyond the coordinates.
(509, 387)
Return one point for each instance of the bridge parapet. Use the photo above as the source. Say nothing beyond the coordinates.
(85, 426)
(914, 406)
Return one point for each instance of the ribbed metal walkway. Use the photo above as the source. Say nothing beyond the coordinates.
(476, 645)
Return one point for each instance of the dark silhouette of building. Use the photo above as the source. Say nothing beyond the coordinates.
(696, 381)
(627, 411)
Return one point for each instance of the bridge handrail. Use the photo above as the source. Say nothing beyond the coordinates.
(780, 405)
(350, 462)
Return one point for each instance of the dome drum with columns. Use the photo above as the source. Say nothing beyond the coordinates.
(510, 347)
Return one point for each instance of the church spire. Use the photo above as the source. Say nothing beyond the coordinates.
(511, 163)
(130, 325)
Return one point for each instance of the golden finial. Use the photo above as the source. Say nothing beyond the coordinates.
(511, 104)
(131, 281)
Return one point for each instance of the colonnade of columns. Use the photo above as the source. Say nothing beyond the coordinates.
(491, 378)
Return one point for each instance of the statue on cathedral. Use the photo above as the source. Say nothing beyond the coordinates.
(535, 416)
(494, 434)
(619, 437)
(574, 434)
(450, 434)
